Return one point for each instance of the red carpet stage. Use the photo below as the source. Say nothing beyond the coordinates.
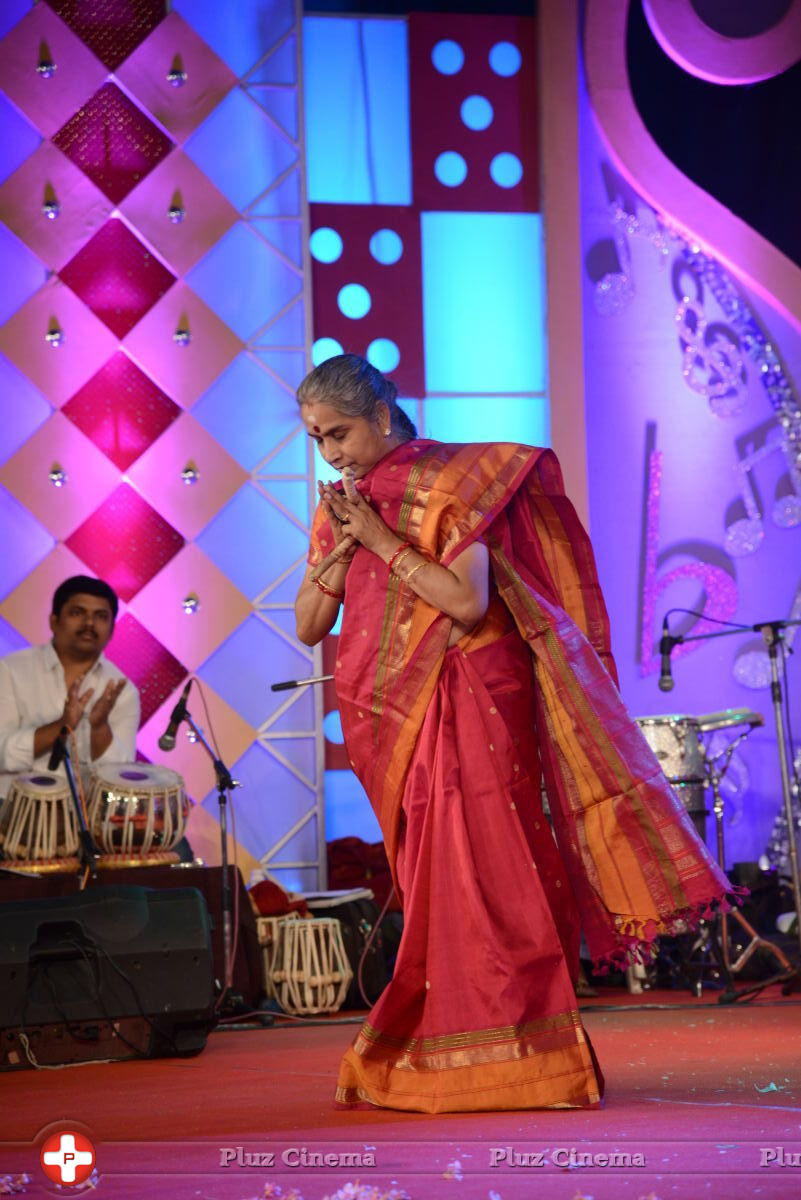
(702, 1100)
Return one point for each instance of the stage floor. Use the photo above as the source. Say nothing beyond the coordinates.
(702, 1100)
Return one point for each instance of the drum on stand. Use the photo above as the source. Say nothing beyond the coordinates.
(676, 742)
(137, 813)
(38, 824)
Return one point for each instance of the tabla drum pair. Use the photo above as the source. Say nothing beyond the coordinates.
(136, 813)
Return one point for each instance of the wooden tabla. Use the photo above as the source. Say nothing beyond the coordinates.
(38, 822)
(269, 930)
(311, 973)
(136, 809)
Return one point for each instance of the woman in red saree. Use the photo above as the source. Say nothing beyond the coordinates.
(473, 664)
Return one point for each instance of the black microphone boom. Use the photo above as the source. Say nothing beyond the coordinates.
(666, 644)
(167, 739)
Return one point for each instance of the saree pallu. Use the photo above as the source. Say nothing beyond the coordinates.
(481, 1011)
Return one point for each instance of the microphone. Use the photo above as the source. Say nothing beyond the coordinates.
(57, 753)
(167, 739)
(666, 644)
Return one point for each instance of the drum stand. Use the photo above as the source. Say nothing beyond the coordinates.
(772, 633)
(719, 927)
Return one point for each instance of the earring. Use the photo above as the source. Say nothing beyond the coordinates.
(387, 432)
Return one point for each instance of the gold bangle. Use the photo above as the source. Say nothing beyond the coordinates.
(414, 570)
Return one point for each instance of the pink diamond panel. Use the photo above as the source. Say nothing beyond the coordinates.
(48, 102)
(192, 631)
(186, 364)
(113, 142)
(121, 410)
(117, 277)
(187, 475)
(58, 368)
(49, 176)
(155, 671)
(85, 475)
(174, 49)
(112, 28)
(201, 213)
(125, 541)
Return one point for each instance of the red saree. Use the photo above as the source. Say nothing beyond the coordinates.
(450, 745)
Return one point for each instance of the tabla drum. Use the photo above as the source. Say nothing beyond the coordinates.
(136, 809)
(310, 972)
(38, 823)
(676, 742)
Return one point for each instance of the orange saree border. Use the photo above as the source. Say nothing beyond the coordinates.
(544, 1064)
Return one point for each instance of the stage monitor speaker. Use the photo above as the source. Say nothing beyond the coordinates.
(112, 972)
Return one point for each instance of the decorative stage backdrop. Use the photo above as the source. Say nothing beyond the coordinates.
(692, 316)
(156, 322)
(198, 204)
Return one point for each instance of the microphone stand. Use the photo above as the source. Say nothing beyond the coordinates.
(88, 853)
(225, 784)
(772, 633)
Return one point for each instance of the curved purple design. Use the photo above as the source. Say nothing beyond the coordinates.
(134, 776)
(704, 51)
(684, 206)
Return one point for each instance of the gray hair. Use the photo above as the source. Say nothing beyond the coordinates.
(355, 388)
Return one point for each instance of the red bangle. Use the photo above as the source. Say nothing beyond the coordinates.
(403, 546)
(327, 591)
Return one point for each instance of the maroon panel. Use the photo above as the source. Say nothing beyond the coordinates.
(155, 671)
(121, 410)
(396, 290)
(117, 277)
(125, 541)
(436, 121)
(113, 142)
(111, 28)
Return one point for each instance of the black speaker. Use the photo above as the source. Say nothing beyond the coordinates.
(113, 972)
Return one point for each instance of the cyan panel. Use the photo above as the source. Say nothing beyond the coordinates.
(241, 33)
(10, 639)
(18, 138)
(23, 274)
(243, 668)
(22, 409)
(247, 411)
(268, 792)
(251, 541)
(243, 281)
(356, 95)
(347, 809)
(525, 419)
(240, 149)
(23, 542)
(12, 11)
(484, 302)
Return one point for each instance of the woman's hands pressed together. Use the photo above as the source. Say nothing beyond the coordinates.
(357, 521)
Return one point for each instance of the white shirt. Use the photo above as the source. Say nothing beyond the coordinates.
(33, 693)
